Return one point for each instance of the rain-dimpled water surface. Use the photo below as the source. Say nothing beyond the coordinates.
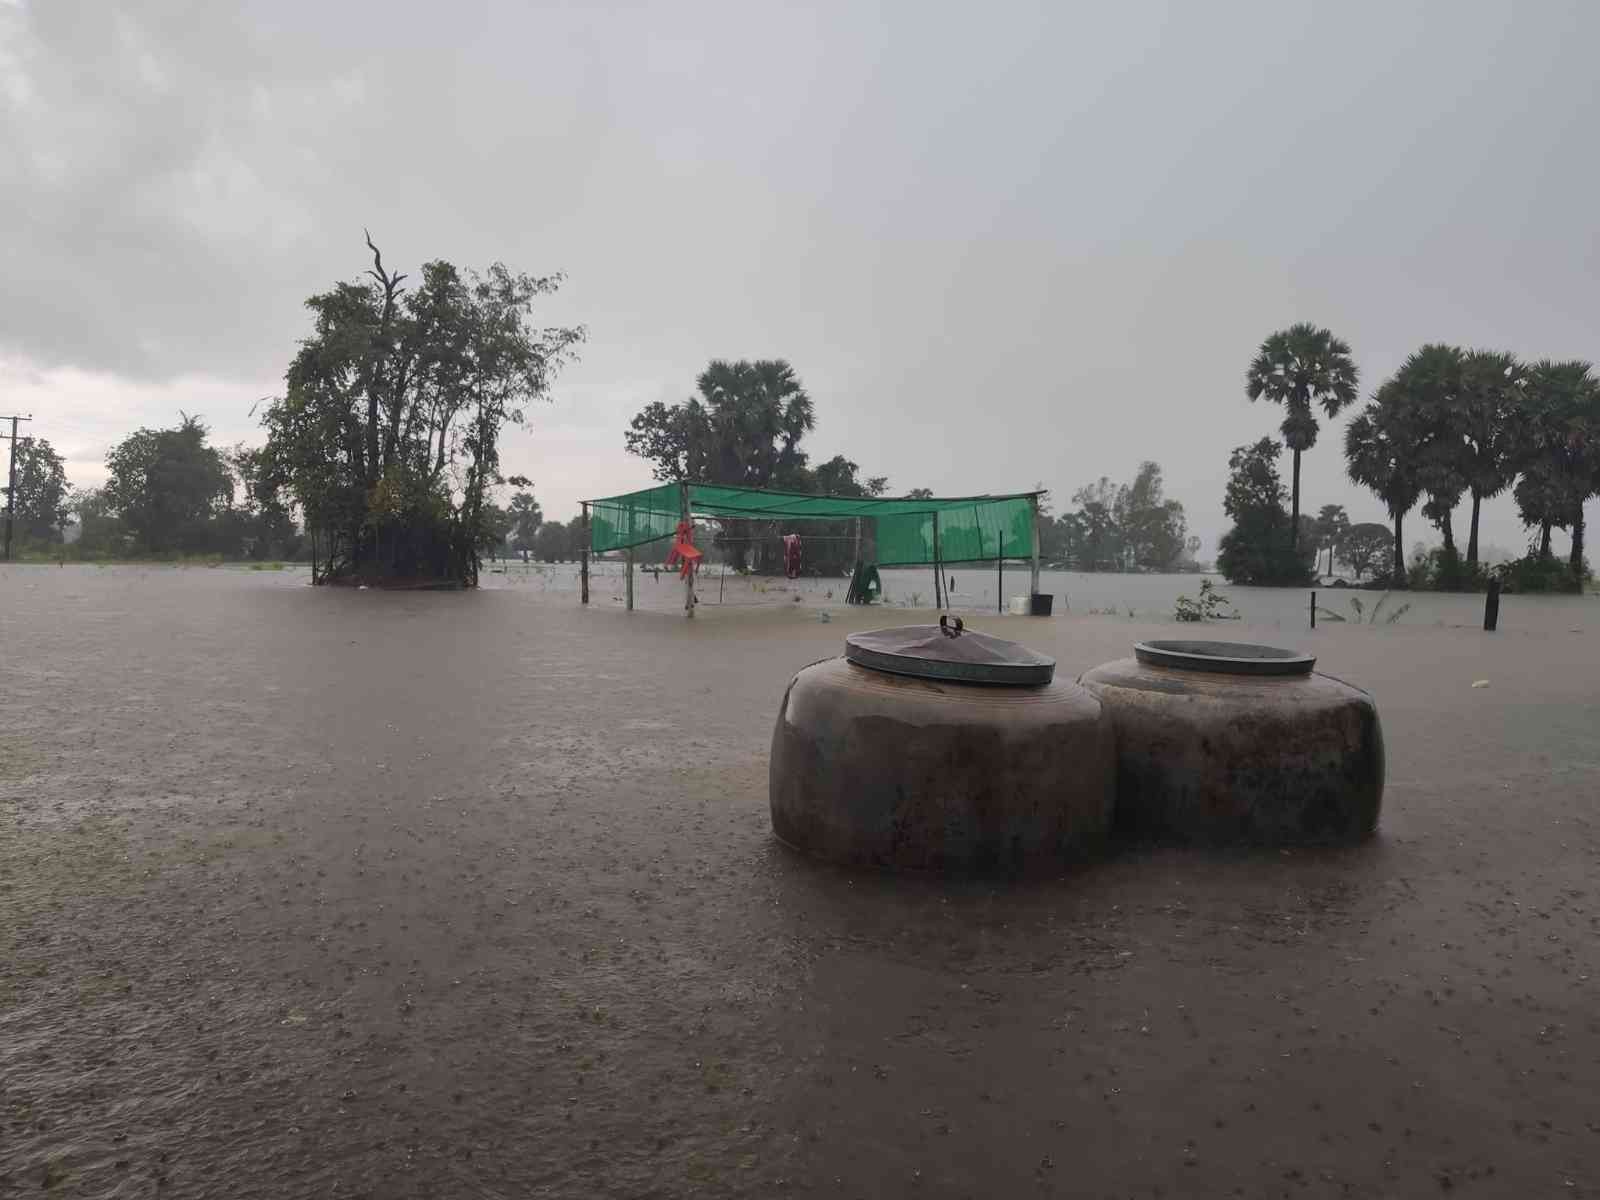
(314, 892)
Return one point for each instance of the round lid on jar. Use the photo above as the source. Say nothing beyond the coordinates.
(1224, 658)
(951, 652)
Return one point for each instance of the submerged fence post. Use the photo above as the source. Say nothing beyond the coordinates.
(630, 578)
(583, 557)
(1491, 607)
(1034, 584)
(688, 578)
(1313, 610)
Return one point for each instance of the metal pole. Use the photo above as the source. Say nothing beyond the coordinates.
(858, 539)
(688, 578)
(630, 578)
(1491, 607)
(583, 557)
(1000, 585)
(11, 484)
(938, 583)
(1034, 579)
(1313, 610)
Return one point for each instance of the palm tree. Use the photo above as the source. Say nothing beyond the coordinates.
(1381, 448)
(1430, 381)
(1331, 525)
(1492, 386)
(1300, 367)
(1559, 443)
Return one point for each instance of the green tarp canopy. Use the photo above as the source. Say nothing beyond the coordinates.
(970, 528)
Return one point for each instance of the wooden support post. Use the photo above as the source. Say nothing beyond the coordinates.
(630, 578)
(688, 579)
(11, 485)
(583, 558)
(1034, 578)
(1491, 607)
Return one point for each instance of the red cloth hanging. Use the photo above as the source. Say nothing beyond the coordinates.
(684, 549)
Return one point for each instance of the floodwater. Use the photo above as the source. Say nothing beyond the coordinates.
(976, 588)
(314, 892)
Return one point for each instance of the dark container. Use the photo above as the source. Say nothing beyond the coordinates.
(1043, 603)
(935, 758)
(1231, 743)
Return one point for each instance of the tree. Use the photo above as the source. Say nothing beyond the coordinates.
(1364, 546)
(1259, 549)
(1382, 449)
(258, 522)
(1559, 453)
(1492, 395)
(388, 433)
(1331, 524)
(526, 518)
(743, 428)
(1102, 545)
(557, 542)
(920, 494)
(1152, 527)
(1430, 383)
(1300, 367)
(100, 531)
(168, 485)
(832, 549)
(41, 501)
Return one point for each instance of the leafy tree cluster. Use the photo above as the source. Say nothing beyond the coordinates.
(387, 437)
(1264, 547)
(168, 493)
(1365, 548)
(40, 506)
(1131, 527)
(1452, 423)
(744, 427)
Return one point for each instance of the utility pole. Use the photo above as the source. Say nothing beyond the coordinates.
(11, 483)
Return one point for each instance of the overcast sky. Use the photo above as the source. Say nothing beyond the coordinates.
(1000, 243)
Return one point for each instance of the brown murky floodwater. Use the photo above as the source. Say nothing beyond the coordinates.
(332, 893)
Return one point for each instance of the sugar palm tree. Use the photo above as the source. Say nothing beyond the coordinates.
(1559, 451)
(1430, 381)
(1492, 393)
(1382, 448)
(1302, 367)
(1331, 525)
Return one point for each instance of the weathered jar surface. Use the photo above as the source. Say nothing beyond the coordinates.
(893, 770)
(1226, 742)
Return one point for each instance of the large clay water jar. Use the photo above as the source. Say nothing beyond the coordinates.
(924, 751)
(1226, 742)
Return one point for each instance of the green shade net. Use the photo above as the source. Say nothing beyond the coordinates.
(971, 528)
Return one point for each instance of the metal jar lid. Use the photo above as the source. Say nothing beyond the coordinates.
(1224, 658)
(951, 652)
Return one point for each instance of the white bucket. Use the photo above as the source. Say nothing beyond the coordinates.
(1019, 606)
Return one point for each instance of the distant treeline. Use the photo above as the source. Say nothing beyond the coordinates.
(1448, 426)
